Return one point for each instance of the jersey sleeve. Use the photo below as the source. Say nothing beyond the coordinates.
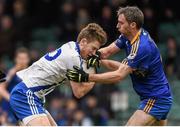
(120, 42)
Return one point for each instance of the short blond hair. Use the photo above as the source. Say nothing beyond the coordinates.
(93, 32)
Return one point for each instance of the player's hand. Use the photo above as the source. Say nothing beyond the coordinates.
(2, 76)
(94, 60)
(77, 75)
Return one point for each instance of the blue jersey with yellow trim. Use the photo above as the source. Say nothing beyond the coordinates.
(143, 55)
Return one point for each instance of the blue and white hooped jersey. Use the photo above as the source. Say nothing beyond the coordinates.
(50, 70)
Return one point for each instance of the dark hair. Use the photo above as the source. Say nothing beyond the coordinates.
(132, 14)
(92, 32)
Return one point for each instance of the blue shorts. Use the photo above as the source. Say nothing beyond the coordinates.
(24, 102)
(157, 107)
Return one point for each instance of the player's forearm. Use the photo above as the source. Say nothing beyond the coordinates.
(109, 77)
(81, 89)
(109, 50)
(86, 87)
(110, 64)
(104, 53)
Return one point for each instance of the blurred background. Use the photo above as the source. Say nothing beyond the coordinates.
(44, 25)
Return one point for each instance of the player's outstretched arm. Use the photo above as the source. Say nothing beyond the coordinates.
(112, 77)
(78, 75)
(110, 64)
(108, 51)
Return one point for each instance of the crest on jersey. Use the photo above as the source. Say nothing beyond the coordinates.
(127, 43)
(131, 56)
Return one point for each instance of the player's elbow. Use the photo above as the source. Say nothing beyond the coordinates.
(78, 95)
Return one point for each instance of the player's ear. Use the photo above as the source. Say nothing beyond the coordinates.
(133, 25)
(83, 42)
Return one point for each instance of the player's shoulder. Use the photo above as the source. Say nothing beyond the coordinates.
(70, 51)
(122, 38)
(69, 45)
(121, 41)
(145, 37)
(70, 48)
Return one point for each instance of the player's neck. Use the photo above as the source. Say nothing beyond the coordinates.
(133, 34)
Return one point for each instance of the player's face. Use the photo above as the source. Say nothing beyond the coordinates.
(22, 60)
(123, 25)
(89, 49)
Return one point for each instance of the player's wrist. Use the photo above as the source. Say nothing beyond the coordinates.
(86, 77)
(90, 77)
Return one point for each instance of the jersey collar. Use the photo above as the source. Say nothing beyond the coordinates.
(78, 50)
(136, 37)
(77, 47)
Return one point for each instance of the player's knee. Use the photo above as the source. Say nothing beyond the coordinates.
(160, 123)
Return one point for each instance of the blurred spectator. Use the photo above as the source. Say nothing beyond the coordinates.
(35, 55)
(117, 3)
(81, 3)
(2, 65)
(107, 23)
(56, 109)
(43, 12)
(98, 115)
(7, 35)
(96, 9)
(70, 108)
(82, 19)
(67, 22)
(3, 118)
(2, 8)
(21, 22)
(169, 15)
(150, 22)
(119, 101)
(80, 119)
(171, 59)
(105, 100)
(21, 62)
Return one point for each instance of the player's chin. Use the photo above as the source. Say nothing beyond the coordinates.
(86, 57)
